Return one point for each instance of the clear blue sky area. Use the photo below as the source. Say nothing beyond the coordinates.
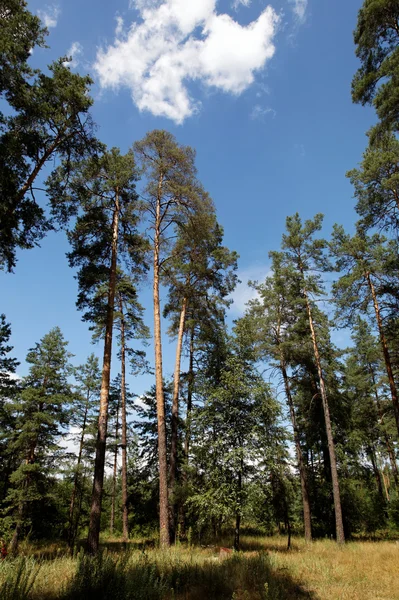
(274, 132)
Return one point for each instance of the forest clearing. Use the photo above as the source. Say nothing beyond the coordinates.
(263, 570)
(199, 318)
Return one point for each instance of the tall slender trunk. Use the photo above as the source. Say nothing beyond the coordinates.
(93, 539)
(388, 443)
(72, 528)
(385, 351)
(114, 472)
(302, 469)
(237, 528)
(162, 451)
(125, 509)
(175, 422)
(339, 526)
(189, 401)
(376, 471)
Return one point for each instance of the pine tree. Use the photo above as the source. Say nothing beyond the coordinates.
(364, 262)
(88, 378)
(47, 117)
(376, 185)
(104, 239)
(377, 46)
(199, 269)
(272, 319)
(8, 390)
(305, 256)
(172, 194)
(43, 411)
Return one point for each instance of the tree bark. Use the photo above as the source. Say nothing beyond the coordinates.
(339, 527)
(302, 469)
(115, 469)
(377, 473)
(189, 401)
(125, 509)
(385, 351)
(162, 451)
(175, 422)
(93, 539)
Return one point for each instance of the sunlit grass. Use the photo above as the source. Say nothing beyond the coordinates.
(264, 570)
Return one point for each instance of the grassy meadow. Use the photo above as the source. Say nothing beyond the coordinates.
(263, 570)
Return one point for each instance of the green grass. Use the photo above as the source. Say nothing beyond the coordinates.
(264, 570)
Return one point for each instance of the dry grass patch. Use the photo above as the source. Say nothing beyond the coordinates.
(357, 571)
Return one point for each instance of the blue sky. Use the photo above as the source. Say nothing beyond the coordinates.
(261, 91)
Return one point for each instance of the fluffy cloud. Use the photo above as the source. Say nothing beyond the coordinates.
(49, 15)
(75, 52)
(176, 42)
(299, 8)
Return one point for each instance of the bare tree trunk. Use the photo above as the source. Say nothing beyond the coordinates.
(388, 444)
(302, 469)
(376, 471)
(125, 509)
(115, 469)
(238, 516)
(339, 527)
(189, 401)
(93, 539)
(72, 529)
(385, 351)
(175, 422)
(162, 451)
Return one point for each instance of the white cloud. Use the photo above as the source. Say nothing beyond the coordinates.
(75, 52)
(238, 3)
(177, 42)
(260, 112)
(49, 15)
(243, 293)
(299, 8)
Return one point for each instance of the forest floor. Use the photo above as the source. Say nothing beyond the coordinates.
(263, 570)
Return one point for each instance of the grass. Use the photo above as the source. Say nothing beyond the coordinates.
(264, 570)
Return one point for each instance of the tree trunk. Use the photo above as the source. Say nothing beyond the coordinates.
(189, 401)
(376, 471)
(237, 532)
(302, 469)
(162, 451)
(93, 539)
(125, 509)
(388, 444)
(72, 529)
(115, 469)
(385, 351)
(175, 422)
(339, 527)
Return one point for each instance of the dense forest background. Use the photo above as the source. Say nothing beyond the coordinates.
(265, 421)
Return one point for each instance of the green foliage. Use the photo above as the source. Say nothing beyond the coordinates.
(376, 185)
(377, 80)
(42, 411)
(50, 119)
